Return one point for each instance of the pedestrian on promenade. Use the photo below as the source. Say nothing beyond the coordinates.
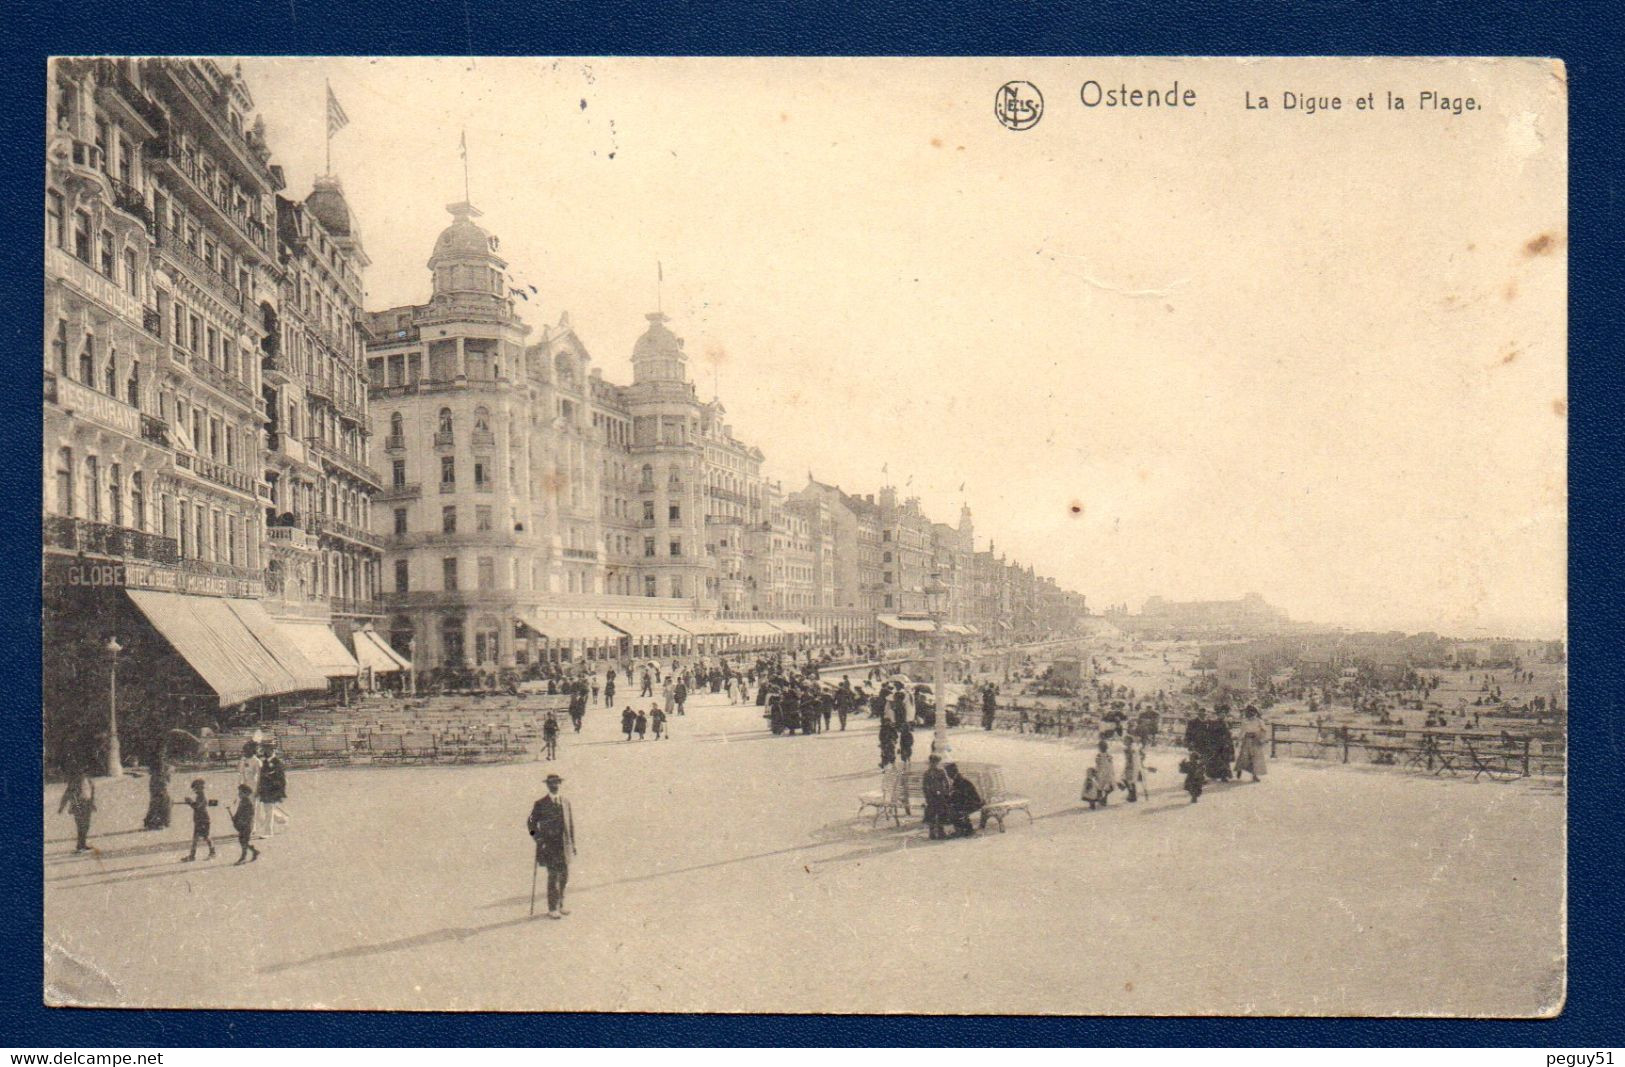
(905, 743)
(242, 819)
(550, 736)
(641, 722)
(273, 791)
(888, 743)
(1134, 783)
(680, 695)
(1222, 747)
(1195, 774)
(826, 707)
(937, 789)
(79, 798)
(200, 805)
(668, 690)
(552, 826)
(964, 801)
(249, 764)
(609, 692)
(629, 721)
(657, 718)
(648, 684)
(577, 713)
(1101, 779)
(1251, 755)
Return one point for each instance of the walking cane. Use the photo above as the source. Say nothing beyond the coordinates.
(533, 887)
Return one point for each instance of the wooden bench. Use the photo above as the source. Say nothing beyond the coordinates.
(899, 790)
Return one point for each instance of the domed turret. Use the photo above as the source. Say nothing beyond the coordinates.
(465, 259)
(327, 203)
(658, 355)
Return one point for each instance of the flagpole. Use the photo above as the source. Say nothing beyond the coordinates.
(327, 122)
(466, 197)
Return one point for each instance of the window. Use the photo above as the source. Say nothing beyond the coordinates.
(676, 587)
(448, 573)
(397, 426)
(397, 473)
(110, 375)
(400, 522)
(133, 386)
(60, 346)
(482, 420)
(107, 258)
(480, 480)
(87, 360)
(64, 481)
(402, 581)
(482, 519)
(649, 585)
(93, 490)
(885, 557)
(81, 236)
(676, 546)
(886, 577)
(487, 573)
(648, 511)
(648, 481)
(194, 333)
(885, 535)
(54, 219)
(649, 546)
(115, 494)
(448, 473)
(674, 513)
(132, 280)
(445, 420)
(448, 519)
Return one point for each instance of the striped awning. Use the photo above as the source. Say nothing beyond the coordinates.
(911, 625)
(322, 647)
(571, 628)
(704, 627)
(644, 627)
(376, 654)
(231, 644)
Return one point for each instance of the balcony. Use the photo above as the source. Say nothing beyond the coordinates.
(213, 569)
(724, 494)
(152, 322)
(328, 527)
(443, 439)
(320, 387)
(485, 487)
(155, 430)
(226, 383)
(174, 246)
(395, 443)
(104, 539)
(216, 472)
(85, 279)
(289, 537)
(110, 78)
(584, 554)
(484, 439)
(345, 605)
(248, 231)
(355, 468)
(405, 491)
(128, 199)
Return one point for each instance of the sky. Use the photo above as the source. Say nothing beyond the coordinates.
(1190, 352)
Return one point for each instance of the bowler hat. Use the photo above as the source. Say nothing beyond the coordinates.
(554, 778)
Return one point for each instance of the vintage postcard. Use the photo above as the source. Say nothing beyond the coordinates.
(964, 536)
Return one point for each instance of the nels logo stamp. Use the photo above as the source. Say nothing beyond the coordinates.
(1018, 105)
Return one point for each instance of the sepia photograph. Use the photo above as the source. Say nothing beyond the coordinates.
(764, 535)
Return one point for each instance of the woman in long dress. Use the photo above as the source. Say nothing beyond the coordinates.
(1134, 768)
(1101, 779)
(1251, 754)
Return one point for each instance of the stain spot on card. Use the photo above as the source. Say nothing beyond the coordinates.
(1128, 987)
(1076, 508)
(1560, 408)
(554, 484)
(936, 142)
(583, 103)
(1541, 245)
(1510, 293)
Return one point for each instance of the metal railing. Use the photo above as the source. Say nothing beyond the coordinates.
(105, 539)
(175, 246)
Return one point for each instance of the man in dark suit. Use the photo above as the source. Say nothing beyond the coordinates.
(964, 801)
(552, 826)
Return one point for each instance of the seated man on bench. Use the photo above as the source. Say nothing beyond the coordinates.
(963, 801)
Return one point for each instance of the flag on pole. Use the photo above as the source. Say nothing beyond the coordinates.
(336, 118)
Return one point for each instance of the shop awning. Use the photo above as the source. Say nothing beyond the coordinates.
(791, 627)
(1005, 626)
(956, 628)
(282, 648)
(322, 647)
(704, 627)
(911, 625)
(657, 628)
(571, 628)
(970, 628)
(214, 640)
(374, 653)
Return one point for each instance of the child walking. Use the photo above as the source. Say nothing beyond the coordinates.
(1195, 775)
(242, 817)
(200, 806)
(1101, 779)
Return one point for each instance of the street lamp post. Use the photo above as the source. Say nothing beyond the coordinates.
(115, 758)
(935, 593)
